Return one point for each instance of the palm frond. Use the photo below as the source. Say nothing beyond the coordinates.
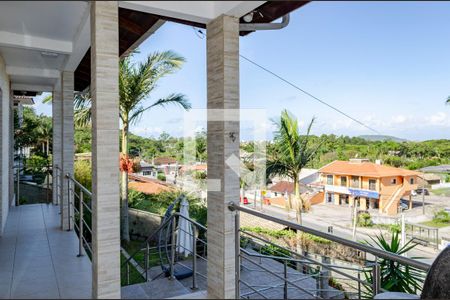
(48, 99)
(176, 99)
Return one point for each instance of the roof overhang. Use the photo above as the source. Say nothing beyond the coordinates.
(39, 40)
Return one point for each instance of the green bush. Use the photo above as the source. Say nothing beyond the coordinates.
(83, 173)
(161, 177)
(199, 175)
(364, 220)
(395, 277)
(158, 204)
(395, 228)
(441, 217)
(286, 233)
(35, 164)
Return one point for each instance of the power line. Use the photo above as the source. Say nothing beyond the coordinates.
(199, 31)
(309, 94)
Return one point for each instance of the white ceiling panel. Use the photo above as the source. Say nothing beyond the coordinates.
(47, 19)
(32, 58)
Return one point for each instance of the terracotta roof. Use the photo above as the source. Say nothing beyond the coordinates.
(430, 176)
(164, 160)
(364, 169)
(149, 187)
(283, 186)
(201, 167)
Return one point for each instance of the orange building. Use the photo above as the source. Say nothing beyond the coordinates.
(373, 185)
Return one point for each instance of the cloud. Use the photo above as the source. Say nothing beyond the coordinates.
(147, 131)
(400, 119)
(438, 119)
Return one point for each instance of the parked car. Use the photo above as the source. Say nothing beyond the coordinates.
(245, 200)
(404, 205)
(419, 192)
(413, 193)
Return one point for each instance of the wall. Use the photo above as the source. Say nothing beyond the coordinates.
(142, 223)
(4, 145)
(32, 194)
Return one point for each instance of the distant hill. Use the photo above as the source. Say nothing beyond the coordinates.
(381, 138)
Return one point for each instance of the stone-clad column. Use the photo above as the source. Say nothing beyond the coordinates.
(4, 148)
(11, 152)
(67, 150)
(105, 149)
(57, 141)
(223, 150)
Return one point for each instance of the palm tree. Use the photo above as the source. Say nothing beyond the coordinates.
(448, 100)
(136, 82)
(292, 153)
(44, 131)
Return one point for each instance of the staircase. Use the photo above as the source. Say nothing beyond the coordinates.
(394, 199)
(161, 288)
(261, 276)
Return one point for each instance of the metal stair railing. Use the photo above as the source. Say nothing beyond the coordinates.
(293, 257)
(146, 250)
(312, 268)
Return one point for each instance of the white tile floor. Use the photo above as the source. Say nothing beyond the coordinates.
(38, 260)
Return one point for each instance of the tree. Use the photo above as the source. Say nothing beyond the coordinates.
(292, 153)
(394, 276)
(136, 82)
(45, 130)
(448, 100)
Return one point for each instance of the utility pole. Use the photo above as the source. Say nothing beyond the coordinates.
(355, 216)
(423, 193)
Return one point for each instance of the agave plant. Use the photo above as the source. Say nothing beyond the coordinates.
(394, 276)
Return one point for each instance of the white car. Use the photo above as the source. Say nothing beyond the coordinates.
(413, 193)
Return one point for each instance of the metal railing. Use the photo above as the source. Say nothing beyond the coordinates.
(77, 196)
(423, 234)
(17, 181)
(314, 270)
(147, 257)
(291, 258)
(56, 183)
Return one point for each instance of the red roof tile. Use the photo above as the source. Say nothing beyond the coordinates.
(364, 169)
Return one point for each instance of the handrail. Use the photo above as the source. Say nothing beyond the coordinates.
(173, 246)
(150, 237)
(85, 190)
(375, 251)
(326, 266)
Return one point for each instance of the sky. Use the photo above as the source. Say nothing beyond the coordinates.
(386, 64)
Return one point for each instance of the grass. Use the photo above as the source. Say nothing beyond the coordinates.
(442, 192)
(132, 247)
(135, 277)
(434, 223)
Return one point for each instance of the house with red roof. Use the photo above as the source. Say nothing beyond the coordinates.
(369, 185)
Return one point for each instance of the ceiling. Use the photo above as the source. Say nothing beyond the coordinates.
(40, 39)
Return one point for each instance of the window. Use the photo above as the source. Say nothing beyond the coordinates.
(411, 180)
(394, 181)
(372, 184)
(343, 181)
(146, 173)
(330, 179)
(355, 181)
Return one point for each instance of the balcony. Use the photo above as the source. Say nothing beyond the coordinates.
(38, 260)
